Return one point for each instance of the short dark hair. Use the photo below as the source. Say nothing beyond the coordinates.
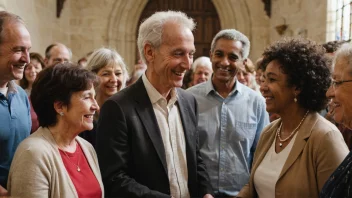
(58, 83)
(33, 56)
(304, 63)
(6, 17)
(47, 50)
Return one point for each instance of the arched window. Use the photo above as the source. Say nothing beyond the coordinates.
(339, 20)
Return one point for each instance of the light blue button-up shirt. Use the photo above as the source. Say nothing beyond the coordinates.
(229, 130)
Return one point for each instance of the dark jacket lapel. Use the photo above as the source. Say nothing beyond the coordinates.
(146, 114)
(188, 127)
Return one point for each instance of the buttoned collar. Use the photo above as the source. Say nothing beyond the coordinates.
(155, 96)
(209, 87)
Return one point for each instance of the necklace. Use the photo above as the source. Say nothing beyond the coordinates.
(292, 133)
(77, 165)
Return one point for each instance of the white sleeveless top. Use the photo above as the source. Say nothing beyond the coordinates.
(268, 171)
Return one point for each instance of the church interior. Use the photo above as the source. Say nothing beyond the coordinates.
(86, 25)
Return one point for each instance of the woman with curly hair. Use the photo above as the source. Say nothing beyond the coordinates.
(297, 153)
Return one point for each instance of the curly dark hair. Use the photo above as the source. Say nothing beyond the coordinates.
(58, 83)
(304, 63)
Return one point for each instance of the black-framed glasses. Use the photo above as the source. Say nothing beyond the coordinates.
(336, 84)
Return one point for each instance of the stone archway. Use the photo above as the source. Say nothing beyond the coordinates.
(243, 15)
(122, 28)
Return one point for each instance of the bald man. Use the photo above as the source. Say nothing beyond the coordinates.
(57, 53)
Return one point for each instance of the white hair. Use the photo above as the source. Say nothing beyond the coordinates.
(232, 34)
(105, 56)
(151, 30)
(203, 61)
(345, 53)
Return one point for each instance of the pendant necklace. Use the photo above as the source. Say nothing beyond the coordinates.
(77, 165)
(292, 133)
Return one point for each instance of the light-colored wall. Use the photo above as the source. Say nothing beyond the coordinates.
(308, 18)
(85, 25)
(41, 21)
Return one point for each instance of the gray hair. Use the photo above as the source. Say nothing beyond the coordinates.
(105, 56)
(345, 53)
(232, 34)
(204, 61)
(151, 30)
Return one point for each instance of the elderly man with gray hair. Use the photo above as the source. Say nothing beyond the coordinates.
(201, 70)
(231, 116)
(147, 139)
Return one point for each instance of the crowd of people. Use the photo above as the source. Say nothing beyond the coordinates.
(219, 126)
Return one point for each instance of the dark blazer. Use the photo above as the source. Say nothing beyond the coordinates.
(130, 148)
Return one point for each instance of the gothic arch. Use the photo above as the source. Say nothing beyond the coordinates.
(122, 27)
(232, 13)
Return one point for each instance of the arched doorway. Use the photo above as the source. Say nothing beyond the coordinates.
(202, 11)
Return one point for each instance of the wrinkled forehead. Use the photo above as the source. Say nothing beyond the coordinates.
(341, 68)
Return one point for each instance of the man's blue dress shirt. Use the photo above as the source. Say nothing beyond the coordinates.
(229, 130)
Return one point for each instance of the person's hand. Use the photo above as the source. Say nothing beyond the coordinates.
(208, 196)
(3, 192)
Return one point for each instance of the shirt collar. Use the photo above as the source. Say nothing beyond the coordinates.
(209, 87)
(12, 87)
(154, 95)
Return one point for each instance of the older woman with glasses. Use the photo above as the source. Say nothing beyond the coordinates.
(340, 182)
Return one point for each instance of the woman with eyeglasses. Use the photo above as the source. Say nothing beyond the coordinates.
(340, 182)
(298, 152)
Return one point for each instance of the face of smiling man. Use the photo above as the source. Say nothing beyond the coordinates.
(14, 52)
(168, 63)
(226, 60)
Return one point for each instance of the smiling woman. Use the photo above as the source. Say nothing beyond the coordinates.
(296, 77)
(111, 70)
(340, 92)
(112, 73)
(30, 73)
(54, 160)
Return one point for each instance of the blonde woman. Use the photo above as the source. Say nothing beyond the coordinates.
(247, 75)
(112, 73)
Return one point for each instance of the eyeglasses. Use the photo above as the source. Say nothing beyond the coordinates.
(336, 84)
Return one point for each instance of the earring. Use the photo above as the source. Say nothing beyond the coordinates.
(295, 99)
(61, 113)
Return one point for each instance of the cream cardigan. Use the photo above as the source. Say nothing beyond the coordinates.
(37, 169)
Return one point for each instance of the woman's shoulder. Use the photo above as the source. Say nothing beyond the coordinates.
(36, 143)
(323, 127)
(272, 125)
(325, 133)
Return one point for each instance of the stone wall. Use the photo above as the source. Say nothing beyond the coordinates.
(304, 18)
(85, 25)
(41, 21)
